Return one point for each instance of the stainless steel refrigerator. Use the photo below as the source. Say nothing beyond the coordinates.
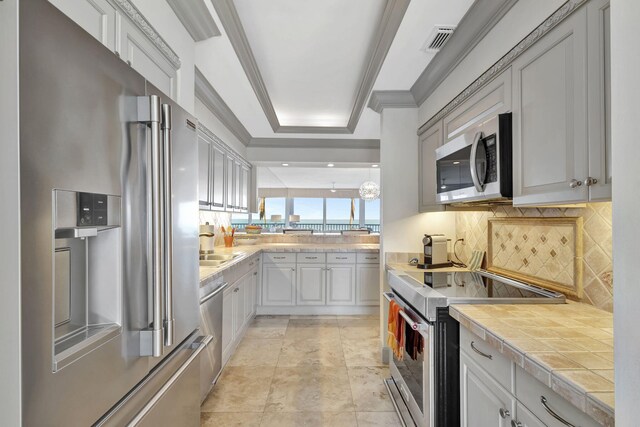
(109, 236)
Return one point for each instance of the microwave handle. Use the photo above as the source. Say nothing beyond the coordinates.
(472, 162)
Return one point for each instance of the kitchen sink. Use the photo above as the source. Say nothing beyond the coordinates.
(216, 260)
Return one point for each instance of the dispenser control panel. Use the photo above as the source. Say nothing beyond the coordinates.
(92, 209)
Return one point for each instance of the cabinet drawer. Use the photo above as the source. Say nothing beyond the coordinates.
(311, 258)
(368, 258)
(488, 358)
(341, 258)
(529, 391)
(279, 258)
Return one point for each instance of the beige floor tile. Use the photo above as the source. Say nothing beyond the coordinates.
(360, 329)
(257, 352)
(313, 317)
(346, 320)
(306, 329)
(240, 389)
(309, 389)
(230, 419)
(309, 352)
(364, 352)
(309, 419)
(313, 321)
(368, 389)
(375, 419)
(265, 328)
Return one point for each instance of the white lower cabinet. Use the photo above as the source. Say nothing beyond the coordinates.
(311, 283)
(238, 306)
(526, 418)
(278, 284)
(341, 284)
(368, 284)
(227, 323)
(251, 294)
(495, 395)
(483, 402)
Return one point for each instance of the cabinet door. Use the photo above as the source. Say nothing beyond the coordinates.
(97, 17)
(429, 141)
(526, 419)
(204, 164)
(483, 403)
(250, 295)
(341, 284)
(278, 284)
(145, 57)
(238, 306)
(230, 185)
(227, 322)
(217, 177)
(311, 284)
(237, 177)
(368, 284)
(254, 290)
(599, 104)
(550, 117)
(245, 189)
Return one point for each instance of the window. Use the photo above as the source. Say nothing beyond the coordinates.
(372, 215)
(274, 206)
(339, 214)
(311, 212)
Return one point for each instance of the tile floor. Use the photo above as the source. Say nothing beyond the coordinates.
(304, 371)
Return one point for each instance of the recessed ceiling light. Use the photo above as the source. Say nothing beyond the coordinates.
(374, 166)
(285, 164)
(456, 163)
(333, 187)
(330, 165)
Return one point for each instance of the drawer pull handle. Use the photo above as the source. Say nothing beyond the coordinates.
(473, 347)
(551, 412)
(278, 257)
(515, 423)
(341, 257)
(504, 413)
(370, 257)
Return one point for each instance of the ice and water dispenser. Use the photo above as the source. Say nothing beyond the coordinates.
(87, 288)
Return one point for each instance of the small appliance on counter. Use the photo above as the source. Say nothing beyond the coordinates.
(207, 239)
(435, 253)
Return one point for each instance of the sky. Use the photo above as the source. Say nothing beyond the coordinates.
(311, 209)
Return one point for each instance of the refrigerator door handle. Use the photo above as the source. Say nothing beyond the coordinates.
(151, 339)
(169, 320)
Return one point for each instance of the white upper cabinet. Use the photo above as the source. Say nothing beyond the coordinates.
(217, 177)
(492, 99)
(599, 102)
(230, 199)
(550, 117)
(428, 142)
(204, 169)
(97, 17)
(122, 28)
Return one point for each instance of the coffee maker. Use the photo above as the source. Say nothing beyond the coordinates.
(435, 253)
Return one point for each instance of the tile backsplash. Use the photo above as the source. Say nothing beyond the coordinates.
(596, 235)
(217, 219)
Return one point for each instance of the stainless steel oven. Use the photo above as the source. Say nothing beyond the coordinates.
(477, 165)
(411, 378)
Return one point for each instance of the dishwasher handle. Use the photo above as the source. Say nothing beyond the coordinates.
(213, 293)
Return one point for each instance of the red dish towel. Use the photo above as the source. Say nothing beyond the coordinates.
(395, 328)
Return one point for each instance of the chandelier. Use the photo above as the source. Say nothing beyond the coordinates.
(369, 190)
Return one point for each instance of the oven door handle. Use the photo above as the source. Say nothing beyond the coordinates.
(416, 326)
(472, 162)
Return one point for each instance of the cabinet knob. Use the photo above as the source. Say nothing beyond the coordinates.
(504, 413)
(293, 269)
(515, 423)
(574, 183)
(590, 181)
(236, 289)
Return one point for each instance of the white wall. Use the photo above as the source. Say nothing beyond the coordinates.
(523, 18)
(165, 21)
(214, 125)
(402, 226)
(625, 128)
(10, 389)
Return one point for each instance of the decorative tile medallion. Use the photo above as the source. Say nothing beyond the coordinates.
(552, 249)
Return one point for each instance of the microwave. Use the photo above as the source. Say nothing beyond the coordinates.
(477, 165)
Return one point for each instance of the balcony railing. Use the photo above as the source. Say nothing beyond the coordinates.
(323, 228)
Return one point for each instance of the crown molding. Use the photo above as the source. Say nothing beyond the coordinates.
(381, 42)
(381, 99)
(147, 29)
(214, 102)
(481, 17)
(195, 18)
(335, 143)
(551, 22)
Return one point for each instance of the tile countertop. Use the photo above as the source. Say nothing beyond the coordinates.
(245, 251)
(568, 347)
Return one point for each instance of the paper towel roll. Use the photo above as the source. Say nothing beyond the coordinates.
(207, 239)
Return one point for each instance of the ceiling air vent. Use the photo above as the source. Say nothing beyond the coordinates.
(438, 37)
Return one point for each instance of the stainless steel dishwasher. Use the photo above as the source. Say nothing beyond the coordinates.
(211, 324)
